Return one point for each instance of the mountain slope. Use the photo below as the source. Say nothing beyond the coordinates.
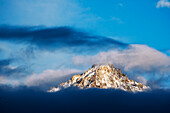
(102, 76)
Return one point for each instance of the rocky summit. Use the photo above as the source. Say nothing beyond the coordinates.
(102, 76)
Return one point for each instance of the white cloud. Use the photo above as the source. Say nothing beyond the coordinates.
(136, 58)
(48, 76)
(163, 3)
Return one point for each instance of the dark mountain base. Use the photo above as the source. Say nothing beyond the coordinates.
(80, 101)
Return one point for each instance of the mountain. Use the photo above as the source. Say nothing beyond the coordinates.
(102, 76)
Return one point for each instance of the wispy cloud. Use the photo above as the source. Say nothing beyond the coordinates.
(120, 4)
(45, 79)
(7, 70)
(163, 3)
(55, 12)
(117, 19)
(11, 75)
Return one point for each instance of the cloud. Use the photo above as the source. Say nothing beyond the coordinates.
(6, 69)
(141, 79)
(42, 80)
(120, 4)
(135, 59)
(9, 81)
(5, 62)
(56, 38)
(17, 76)
(163, 3)
(48, 76)
(138, 57)
(167, 52)
(117, 19)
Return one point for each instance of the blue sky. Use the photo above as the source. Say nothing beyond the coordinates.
(89, 27)
(130, 21)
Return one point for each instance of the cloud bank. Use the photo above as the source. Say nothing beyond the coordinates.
(135, 59)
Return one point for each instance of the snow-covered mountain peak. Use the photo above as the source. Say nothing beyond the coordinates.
(102, 76)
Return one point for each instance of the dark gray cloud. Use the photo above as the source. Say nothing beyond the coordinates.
(5, 62)
(56, 37)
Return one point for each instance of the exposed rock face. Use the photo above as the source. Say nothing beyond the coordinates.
(102, 76)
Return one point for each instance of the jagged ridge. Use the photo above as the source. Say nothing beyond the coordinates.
(102, 76)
